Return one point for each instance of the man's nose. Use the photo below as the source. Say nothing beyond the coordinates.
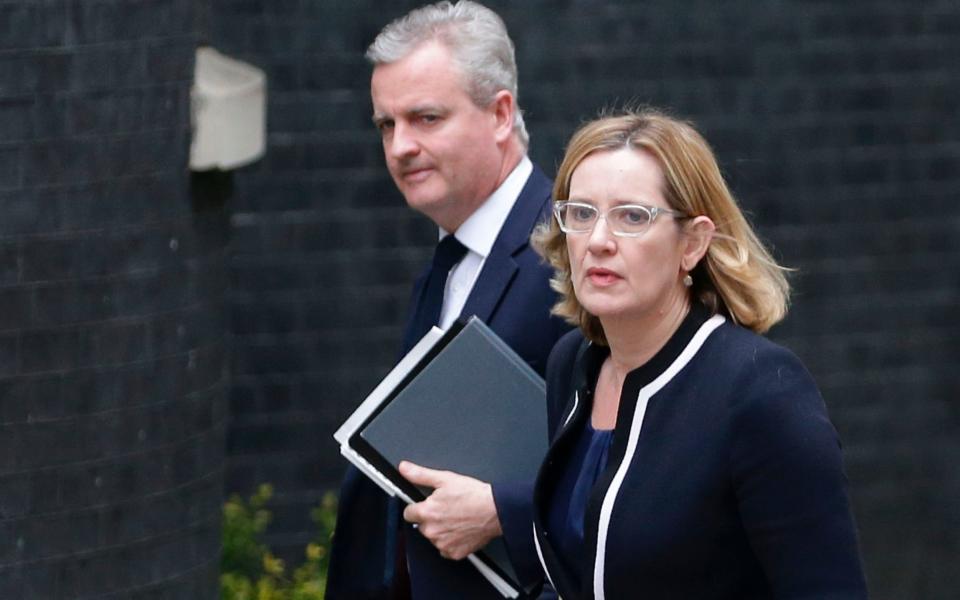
(402, 142)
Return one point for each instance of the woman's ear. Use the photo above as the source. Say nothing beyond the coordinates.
(697, 233)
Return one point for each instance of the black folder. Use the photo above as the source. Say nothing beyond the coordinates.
(463, 401)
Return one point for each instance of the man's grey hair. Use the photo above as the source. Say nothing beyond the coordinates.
(476, 37)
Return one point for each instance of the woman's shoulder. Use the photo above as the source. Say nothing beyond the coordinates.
(735, 344)
(565, 351)
(759, 374)
(561, 366)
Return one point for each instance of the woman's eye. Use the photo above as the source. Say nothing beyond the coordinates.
(581, 213)
(634, 216)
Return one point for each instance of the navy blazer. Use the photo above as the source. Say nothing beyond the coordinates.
(724, 478)
(512, 295)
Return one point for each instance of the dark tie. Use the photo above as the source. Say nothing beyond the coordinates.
(448, 253)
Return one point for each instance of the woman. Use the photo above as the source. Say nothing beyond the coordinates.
(690, 458)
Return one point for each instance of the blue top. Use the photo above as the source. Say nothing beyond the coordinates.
(569, 506)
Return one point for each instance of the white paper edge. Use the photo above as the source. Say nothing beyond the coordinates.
(389, 383)
(363, 412)
(367, 469)
(502, 586)
(505, 589)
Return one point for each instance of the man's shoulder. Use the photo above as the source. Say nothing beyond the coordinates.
(538, 187)
(530, 209)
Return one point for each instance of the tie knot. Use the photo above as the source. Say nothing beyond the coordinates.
(448, 253)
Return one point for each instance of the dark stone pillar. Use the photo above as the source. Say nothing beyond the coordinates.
(112, 282)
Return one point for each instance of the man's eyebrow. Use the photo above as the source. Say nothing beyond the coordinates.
(425, 108)
(415, 111)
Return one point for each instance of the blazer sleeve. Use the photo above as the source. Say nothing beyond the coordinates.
(513, 499)
(789, 482)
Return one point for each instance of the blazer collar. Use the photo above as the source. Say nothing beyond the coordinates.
(590, 356)
(500, 267)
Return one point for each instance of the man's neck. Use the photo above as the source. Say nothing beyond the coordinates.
(512, 155)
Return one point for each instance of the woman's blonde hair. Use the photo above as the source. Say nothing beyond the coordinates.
(737, 277)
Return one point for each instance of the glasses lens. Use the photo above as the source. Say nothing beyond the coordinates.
(629, 219)
(577, 217)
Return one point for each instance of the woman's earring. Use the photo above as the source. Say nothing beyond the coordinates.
(687, 280)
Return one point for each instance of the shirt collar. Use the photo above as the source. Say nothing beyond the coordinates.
(480, 230)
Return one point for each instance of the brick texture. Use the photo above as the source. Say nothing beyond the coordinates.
(835, 122)
(113, 364)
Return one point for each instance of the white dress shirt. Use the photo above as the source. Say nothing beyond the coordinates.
(478, 233)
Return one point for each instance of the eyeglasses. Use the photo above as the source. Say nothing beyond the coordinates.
(626, 220)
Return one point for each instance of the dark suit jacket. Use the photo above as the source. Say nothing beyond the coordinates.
(724, 478)
(512, 295)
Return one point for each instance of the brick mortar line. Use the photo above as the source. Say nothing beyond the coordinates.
(299, 416)
(23, 143)
(920, 335)
(64, 187)
(310, 336)
(163, 357)
(296, 216)
(195, 397)
(83, 234)
(296, 295)
(98, 508)
(87, 554)
(188, 39)
(118, 595)
(221, 425)
(193, 264)
(124, 320)
(358, 374)
(255, 459)
(305, 260)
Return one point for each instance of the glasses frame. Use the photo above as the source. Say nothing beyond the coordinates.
(653, 211)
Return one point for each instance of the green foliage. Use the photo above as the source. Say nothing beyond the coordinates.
(249, 571)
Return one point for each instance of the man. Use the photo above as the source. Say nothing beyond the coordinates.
(444, 100)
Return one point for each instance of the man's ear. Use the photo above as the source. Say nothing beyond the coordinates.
(697, 233)
(504, 107)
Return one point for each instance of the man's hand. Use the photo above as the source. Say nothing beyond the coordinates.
(459, 517)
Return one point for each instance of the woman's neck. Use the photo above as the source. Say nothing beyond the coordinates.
(635, 340)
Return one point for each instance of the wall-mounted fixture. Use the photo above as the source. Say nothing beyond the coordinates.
(228, 110)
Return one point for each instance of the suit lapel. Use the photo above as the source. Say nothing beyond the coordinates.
(416, 297)
(500, 268)
(490, 287)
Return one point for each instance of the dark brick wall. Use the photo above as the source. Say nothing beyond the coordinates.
(323, 252)
(836, 123)
(112, 358)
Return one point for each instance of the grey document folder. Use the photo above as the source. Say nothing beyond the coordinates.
(461, 401)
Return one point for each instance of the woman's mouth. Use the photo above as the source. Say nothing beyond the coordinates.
(602, 277)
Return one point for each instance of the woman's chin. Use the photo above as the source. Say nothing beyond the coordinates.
(603, 310)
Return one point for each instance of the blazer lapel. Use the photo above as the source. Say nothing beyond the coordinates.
(500, 268)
